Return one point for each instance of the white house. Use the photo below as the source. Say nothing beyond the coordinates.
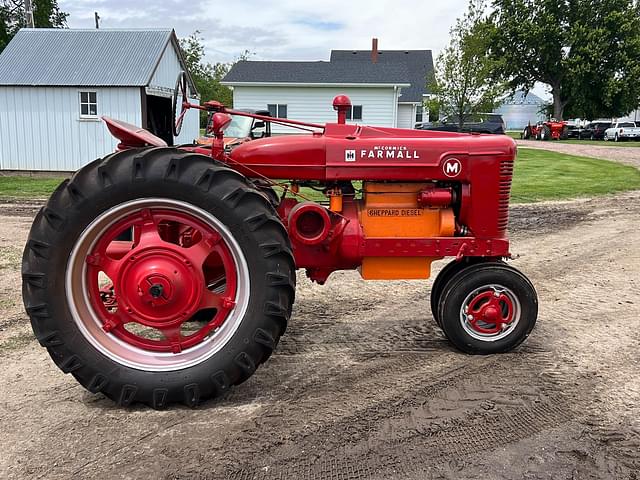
(387, 88)
(55, 84)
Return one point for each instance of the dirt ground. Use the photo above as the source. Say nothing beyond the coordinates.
(364, 385)
(606, 150)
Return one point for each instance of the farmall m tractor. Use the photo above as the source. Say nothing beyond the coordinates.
(167, 274)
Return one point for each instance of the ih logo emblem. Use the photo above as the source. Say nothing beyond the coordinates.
(452, 167)
(349, 155)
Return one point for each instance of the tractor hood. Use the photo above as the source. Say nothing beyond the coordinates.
(346, 152)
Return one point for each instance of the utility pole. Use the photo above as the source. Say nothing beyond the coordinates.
(28, 14)
(97, 18)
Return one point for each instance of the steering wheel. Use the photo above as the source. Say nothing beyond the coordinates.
(180, 90)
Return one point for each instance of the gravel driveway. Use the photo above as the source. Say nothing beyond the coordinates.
(364, 386)
(626, 155)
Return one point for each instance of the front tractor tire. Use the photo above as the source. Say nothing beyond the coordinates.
(157, 276)
(487, 308)
(447, 273)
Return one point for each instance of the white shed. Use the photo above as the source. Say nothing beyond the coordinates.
(55, 84)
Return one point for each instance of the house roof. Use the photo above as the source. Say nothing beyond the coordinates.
(66, 57)
(320, 73)
(419, 64)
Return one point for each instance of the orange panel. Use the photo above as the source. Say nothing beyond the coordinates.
(391, 210)
(396, 268)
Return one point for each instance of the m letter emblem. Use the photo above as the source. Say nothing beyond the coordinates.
(452, 167)
(349, 155)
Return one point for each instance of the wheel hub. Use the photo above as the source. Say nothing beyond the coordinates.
(173, 286)
(490, 312)
(159, 286)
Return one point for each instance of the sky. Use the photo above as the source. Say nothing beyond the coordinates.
(282, 29)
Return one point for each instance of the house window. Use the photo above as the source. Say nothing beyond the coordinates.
(88, 105)
(419, 110)
(277, 110)
(355, 112)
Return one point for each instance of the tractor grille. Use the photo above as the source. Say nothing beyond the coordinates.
(506, 173)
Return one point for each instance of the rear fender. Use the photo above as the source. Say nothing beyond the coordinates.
(131, 136)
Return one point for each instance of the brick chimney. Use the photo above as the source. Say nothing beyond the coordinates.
(374, 50)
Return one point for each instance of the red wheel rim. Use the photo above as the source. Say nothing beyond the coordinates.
(490, 312)
(160, 282)
(162, 297)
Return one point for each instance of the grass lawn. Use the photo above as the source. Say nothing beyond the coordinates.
(544, 175)
(514, 134)
(28, 187)
(539, 175)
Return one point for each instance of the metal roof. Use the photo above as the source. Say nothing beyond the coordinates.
(519, 98)
(419, 64)
(66, 57)
(320, 73)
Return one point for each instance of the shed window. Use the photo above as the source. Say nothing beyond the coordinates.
(355, 112)
(277, 110)
(419, 111)
(88, 104)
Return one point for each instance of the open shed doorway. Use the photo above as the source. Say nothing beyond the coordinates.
(157, 114)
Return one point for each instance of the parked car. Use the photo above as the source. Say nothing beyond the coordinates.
(477, 123)
(240, 130)
(575, 132)
(595, 130)
(622, 131)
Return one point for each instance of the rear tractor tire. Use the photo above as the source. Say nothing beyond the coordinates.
(526, 133)
(487, 308)
(157, 276)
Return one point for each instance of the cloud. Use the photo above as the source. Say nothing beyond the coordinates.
(281, 29)
(320, 25)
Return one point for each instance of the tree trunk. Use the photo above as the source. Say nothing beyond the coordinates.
(558, 104)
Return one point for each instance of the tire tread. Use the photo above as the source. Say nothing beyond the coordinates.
(137, 167)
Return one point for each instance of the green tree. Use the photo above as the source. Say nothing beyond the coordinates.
(461, 85)
(46, 14)
(586, 51)
(207, 76)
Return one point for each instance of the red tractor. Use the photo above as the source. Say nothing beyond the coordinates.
(167, 274)
(550, 130)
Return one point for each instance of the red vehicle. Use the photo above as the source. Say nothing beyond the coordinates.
(549, 130)
(161, 275)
